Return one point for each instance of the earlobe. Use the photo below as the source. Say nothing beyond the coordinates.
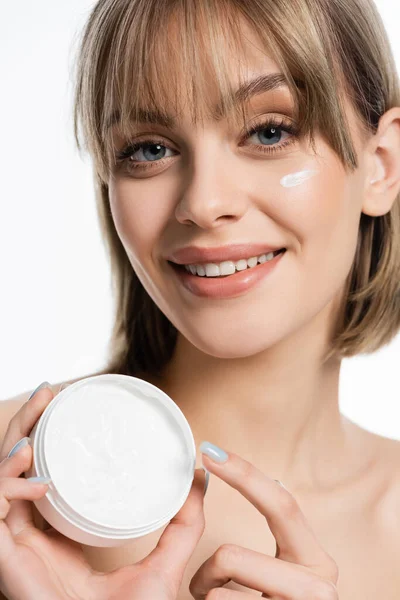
(383, 187)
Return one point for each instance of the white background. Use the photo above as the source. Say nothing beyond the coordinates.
(55, 298)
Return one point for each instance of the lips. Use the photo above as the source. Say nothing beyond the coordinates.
(231, 286)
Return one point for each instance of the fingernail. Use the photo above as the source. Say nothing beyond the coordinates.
(212, 451)
(207, 479)
(39, 387)
(63, 386)
(39, 479)
(23, 442)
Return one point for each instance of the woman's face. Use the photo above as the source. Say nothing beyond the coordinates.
(209, 186)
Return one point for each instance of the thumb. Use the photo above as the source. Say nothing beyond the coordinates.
(181, 536)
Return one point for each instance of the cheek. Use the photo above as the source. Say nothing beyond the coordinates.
(139, 226)
(323, 215)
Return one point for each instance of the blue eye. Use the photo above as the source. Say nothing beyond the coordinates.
(153, 150)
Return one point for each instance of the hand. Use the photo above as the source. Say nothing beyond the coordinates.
(301, 569)
(47, 565)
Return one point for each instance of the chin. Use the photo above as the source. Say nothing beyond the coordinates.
(230, 344)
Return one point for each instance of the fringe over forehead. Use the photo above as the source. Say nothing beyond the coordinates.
(159, 55)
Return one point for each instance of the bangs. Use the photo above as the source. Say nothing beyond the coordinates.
(157, 58)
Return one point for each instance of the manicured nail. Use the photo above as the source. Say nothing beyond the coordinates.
(216, 454)
(23, 442)
(39, 479)
(207, 479)
(39, 387)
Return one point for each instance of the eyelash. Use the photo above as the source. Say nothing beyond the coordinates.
(123, 157)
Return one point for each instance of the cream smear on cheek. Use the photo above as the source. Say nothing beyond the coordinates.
(295, 179)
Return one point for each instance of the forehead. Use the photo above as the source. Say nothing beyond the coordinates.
(251, 75)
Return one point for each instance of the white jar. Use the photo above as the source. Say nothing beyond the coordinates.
(121, 457)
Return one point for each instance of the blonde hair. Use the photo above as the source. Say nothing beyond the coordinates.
(324, 48)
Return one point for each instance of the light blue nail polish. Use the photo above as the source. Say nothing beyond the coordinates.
(23, 442)
(206, 481)
(213, 452)
(63, 386)
(39, 387)
(39, 479)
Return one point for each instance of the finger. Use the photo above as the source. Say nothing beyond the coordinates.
(181, 536)
(20, 515)
(293, 534)
(12, 488)
(22, 423)
(18, 463)
(254, 570)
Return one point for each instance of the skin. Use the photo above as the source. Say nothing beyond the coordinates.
(254, 384)
(246, 380)
(264, 375)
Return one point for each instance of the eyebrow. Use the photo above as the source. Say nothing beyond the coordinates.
(250, 88)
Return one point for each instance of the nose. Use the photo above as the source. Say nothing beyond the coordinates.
(213, 196)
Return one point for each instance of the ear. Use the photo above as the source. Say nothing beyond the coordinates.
(383, 175)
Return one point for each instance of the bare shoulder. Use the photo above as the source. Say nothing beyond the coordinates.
(387, 460)
(390, 460)
(377, 476)
(387, 487)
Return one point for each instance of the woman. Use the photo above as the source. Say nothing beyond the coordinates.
(242, 128)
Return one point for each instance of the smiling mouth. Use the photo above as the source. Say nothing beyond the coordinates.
(182, 269)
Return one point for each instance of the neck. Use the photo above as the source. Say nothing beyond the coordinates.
(277, 409)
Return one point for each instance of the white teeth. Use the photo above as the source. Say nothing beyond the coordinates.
(251, 262)
(241, 264)
(228, 267)
(212, 270)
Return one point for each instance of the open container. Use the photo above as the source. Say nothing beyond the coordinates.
(121, 456)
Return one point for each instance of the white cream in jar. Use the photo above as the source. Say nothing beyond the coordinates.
(121, 457)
